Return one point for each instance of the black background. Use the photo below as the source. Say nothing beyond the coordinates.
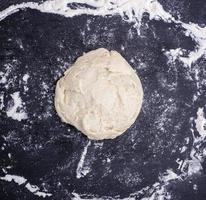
(42, 148)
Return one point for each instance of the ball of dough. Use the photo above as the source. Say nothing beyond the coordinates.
(100, 94)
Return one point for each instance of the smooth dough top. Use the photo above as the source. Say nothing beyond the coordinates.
(100, 94)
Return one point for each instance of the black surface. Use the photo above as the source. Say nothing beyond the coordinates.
(42, 148)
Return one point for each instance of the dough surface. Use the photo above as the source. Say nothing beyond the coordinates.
(100, 94)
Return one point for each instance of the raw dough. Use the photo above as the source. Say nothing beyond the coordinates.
(100, 94)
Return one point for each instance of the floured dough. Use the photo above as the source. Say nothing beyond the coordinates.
(100, 94)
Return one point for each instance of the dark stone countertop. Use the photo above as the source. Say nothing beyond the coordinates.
(47, 152)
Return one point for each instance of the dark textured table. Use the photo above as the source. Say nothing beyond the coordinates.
(40, 152)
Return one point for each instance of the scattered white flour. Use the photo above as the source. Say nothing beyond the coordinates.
(157, 191)
(26, 77)
(198, 34)
(3, 146)
(7, 69)
(122, 48)
(173, 54)
(25, 81)
(45, 86)
(194, 164)
(16, 111)
(195, 187)
(19, 42)
(9, 155)
(21, 180)
(17, 179)
(1, 101)
(98, 144)
(131, 11)
(3, 78)
(194, 167)
(197, 156)
(183, 149)
(81, 169)
(201, 123)
(4, 75)
(168, 176)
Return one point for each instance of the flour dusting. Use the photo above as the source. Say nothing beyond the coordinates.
(131, 11)
(26, 77)
(1, 101)
(81, 169)
(17, 179)
(200, 123)
(16, 110)
(21, 180)
(198, 34)
(193, 165)
(174, 54)
(198, 154)
(4, 75)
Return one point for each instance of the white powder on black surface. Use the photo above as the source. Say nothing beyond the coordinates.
(1, 101)
(16, 110)
(3, 78)
(4, 75)
(131, 11)
(200, 123)
(174, 54)
(25, 81)
(197, 157)
(81, 169)
(25, 77)
(21, 180)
